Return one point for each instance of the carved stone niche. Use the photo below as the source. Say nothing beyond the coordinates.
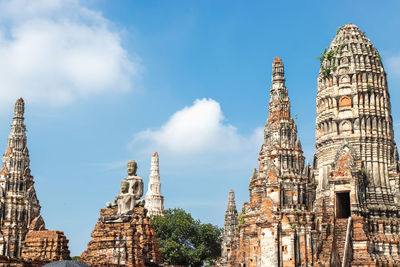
(345, 79)
(344, 61)
(344, 102)
(345, 126)
(344, 161)
(344, 71)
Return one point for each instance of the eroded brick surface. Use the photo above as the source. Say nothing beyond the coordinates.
(45, 245)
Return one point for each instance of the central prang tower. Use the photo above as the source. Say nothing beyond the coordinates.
(356, 162)
(353, 115)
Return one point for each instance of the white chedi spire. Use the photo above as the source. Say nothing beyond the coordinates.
(154, 201)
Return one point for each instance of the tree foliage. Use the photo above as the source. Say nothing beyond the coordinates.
(186, 241)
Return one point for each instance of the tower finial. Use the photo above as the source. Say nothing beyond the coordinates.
(279, 106)
(278, 72)
(19, 108)
(231, 201)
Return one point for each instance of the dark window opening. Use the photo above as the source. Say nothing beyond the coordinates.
(343, 205)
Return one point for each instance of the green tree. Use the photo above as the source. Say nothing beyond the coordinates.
(186, 241)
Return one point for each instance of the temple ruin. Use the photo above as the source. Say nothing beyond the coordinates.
(344, 209)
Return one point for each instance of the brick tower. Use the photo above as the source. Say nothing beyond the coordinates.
(230, 224)
(23, 237)
(275, 228)
(20, 209)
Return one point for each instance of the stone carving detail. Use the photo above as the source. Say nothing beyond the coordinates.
(345, 101)
(344, 163)
(154, 201)
(345, 126)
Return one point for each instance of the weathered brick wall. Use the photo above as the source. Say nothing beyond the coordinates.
(45, 245)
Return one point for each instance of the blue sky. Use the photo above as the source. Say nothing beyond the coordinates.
(109, 81)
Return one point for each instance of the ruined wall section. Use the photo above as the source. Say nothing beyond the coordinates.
(46, 246)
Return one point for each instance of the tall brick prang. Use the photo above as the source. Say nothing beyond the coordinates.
(230, 225)
(23, 237)
(20, 208)
(276, 227)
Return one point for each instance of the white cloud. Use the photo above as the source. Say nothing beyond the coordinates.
(197, 129)
(54, 51)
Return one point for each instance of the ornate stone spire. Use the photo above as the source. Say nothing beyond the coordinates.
(281, 151)
(279, 105)
(19, 208)
(231, 201)
(154, 201)
(230, 224)
(280, 193)
(354, 115)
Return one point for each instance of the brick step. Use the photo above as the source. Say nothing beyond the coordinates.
(340, 235)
